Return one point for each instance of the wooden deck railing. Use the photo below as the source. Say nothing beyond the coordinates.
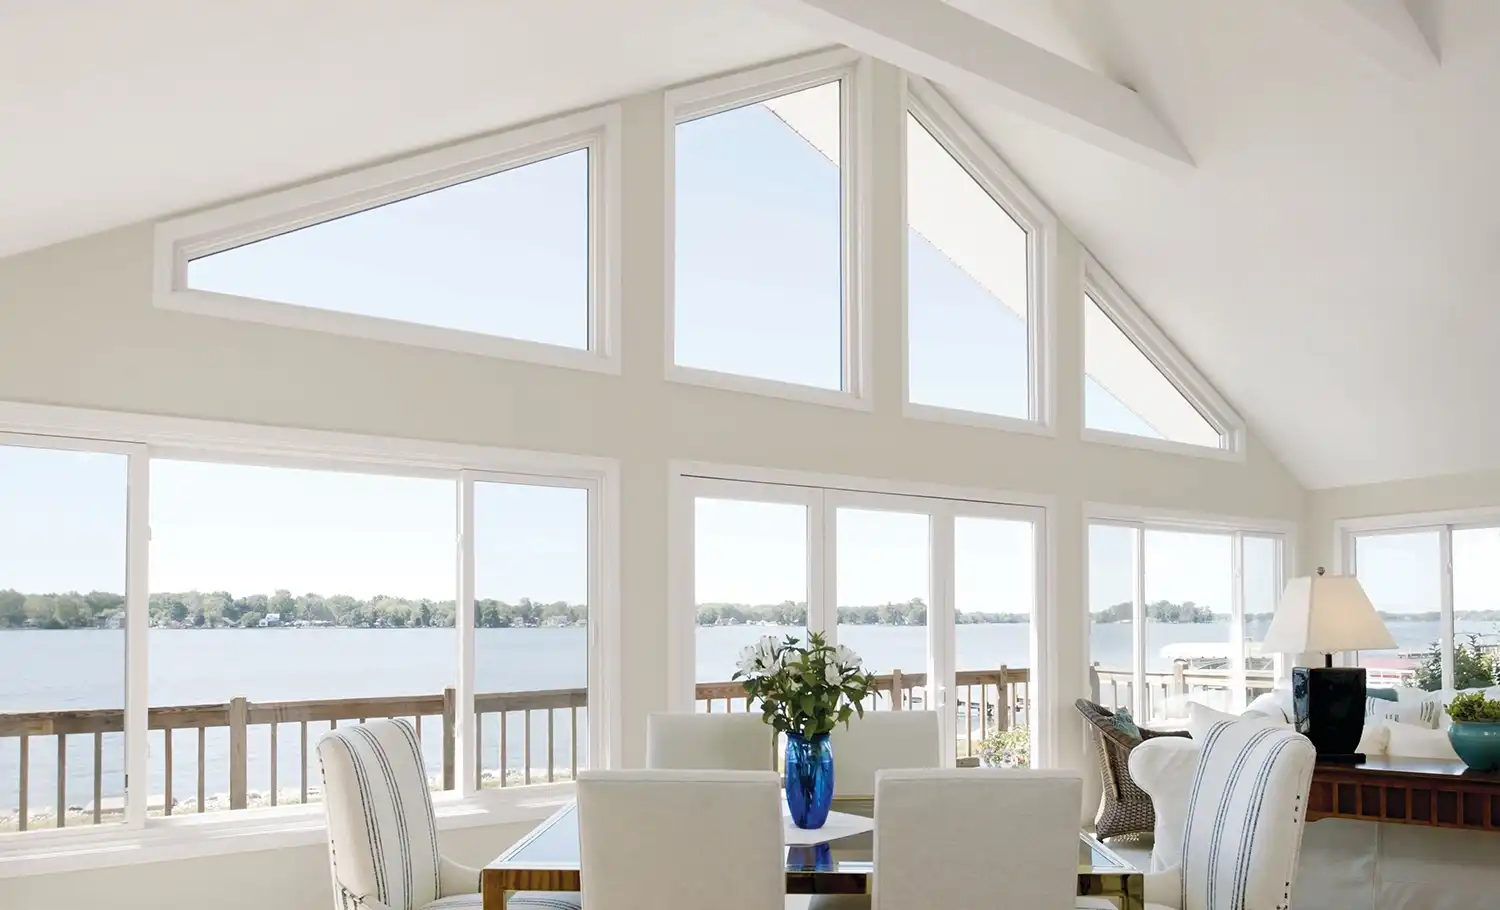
(431, 714)
(988, 700)
(1166, 690)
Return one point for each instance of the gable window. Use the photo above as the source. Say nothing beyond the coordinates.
(762, 192)
(497, 246)
(1138, 390)
(972, 261)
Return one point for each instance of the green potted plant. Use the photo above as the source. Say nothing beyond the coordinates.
(1006, 749)
(804, 692)
(1475, 731)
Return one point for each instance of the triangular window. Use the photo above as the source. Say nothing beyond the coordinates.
(1137, 385)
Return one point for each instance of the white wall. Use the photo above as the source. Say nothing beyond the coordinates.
(77, 328)
(291, 878)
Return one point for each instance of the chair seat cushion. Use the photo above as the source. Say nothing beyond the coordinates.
(521, 900)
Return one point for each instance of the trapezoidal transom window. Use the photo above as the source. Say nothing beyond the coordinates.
(499, 254)
(969, 272)
(761, 225)
(1138, 386)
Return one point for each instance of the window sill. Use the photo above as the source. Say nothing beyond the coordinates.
(770, 388)
(190, 837)
(914, 411)
(1109, 437)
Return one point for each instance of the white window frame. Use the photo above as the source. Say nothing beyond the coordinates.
(1140, 520)
(824, 494)
(1121, 309)
(143, 437)
(202, 234)
(723, 93)
(1444, 523)
(988, 169)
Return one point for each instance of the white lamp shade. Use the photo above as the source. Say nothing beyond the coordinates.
(1326, 613)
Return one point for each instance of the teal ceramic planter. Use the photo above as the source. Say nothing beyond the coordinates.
(1478, 744)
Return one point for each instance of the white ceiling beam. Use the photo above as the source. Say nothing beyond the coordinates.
(951, 47)
(1382, 30)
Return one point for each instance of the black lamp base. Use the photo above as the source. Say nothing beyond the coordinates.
(1329, 706)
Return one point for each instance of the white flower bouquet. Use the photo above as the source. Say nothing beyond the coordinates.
(804, 690)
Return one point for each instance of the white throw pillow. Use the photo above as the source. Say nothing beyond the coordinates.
(1416, 741)
(1413, 709)
(1375, 740)
(1201, 718)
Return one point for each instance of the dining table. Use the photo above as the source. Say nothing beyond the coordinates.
(839, 860)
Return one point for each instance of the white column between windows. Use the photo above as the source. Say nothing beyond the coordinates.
(1237, 624)
(940, 630)
(465, 763)
(137, 628)
(1139, 696)
(1445, 615)
(822, 555)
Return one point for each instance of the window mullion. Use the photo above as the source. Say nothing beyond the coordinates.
(1237, 696)
(137, 598)
(1445, 619)
(466, 723)
(1140, 697)
(822, 605)
(940, 629)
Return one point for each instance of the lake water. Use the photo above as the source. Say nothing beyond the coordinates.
(56, 670)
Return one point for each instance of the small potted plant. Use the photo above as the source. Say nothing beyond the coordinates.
(1475, 731)
(804, 692)
(1006, 749)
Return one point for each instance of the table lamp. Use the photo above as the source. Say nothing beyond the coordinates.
(1327, 613)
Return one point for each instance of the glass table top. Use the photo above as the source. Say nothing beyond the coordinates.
(554, 845)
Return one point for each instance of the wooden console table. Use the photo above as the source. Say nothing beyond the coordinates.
(1410, 791)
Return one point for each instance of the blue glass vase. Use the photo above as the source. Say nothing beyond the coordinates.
(809, 779)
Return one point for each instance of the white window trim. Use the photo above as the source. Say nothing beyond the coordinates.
(218, 229)
(825, 493)
(988, 169)
(1141, 519)
(1128, 316)
(141, 436)
(722, 93)
(1444, 523)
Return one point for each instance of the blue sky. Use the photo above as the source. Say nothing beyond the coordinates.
(758, 292)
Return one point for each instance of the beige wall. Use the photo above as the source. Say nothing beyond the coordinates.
(77, 327)
(292, 878)
(1444, 493)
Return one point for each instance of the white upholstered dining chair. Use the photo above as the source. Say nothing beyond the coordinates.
(879, 741)
(382, 836)
(681, 839)
(1246, 810)
(709, 742)
(976, 839)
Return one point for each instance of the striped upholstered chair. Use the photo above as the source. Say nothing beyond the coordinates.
(382, 838)
(1246, 809)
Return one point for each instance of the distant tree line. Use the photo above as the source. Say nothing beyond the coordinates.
(220, 610)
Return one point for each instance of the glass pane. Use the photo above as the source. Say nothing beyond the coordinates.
(281, 585)
(1402, 574)
(1124, 392)
(966, 288)
(1111, 627)
(62, 634)
(749, 578)
(759, 240)
(504, 255)
(1263, 587)
(1476, 624)
(883, 586)
(994, 596)
(531, 584)
(1189, 602)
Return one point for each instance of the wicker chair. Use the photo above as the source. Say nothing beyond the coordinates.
(1126, 809)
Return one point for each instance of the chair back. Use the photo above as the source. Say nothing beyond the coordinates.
(382, 839)
(977, 839)
(879, 741)
(709, 742)
(1245, 814)
(653, 839)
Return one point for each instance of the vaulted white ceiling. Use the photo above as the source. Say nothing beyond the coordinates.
(1326, 258)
